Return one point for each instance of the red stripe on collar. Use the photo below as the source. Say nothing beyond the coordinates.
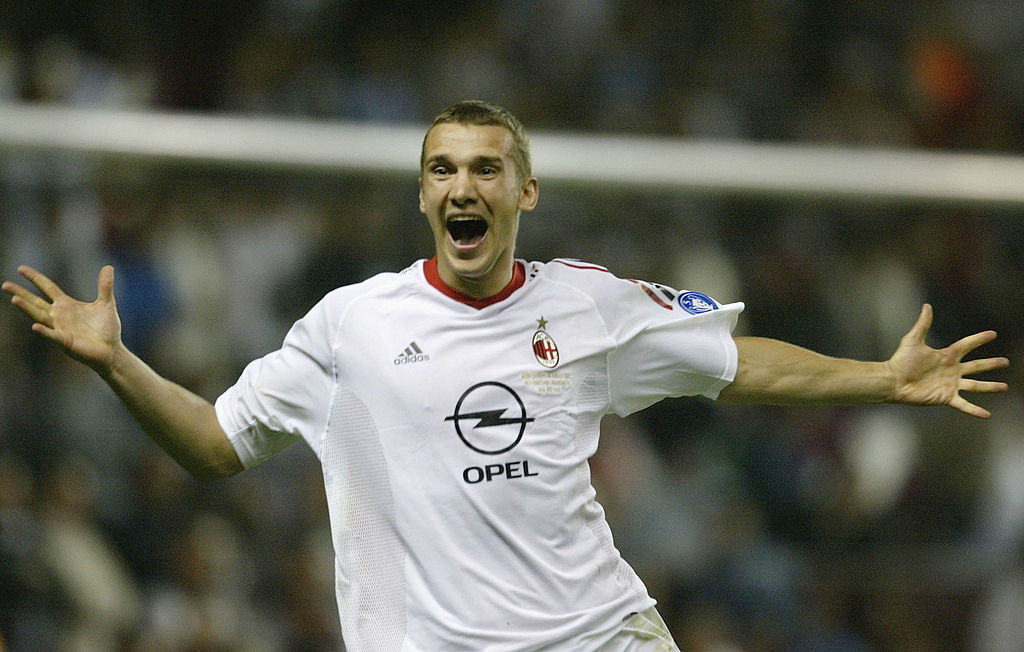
(434, 278)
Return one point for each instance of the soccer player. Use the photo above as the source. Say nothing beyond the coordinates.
(454, 405)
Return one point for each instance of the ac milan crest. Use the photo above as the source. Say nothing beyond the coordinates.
(544, 347)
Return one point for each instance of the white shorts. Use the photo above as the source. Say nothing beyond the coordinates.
(642, 632)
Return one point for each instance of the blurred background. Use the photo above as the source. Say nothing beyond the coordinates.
(878, 528)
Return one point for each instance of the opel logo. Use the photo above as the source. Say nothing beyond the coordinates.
(499, 416)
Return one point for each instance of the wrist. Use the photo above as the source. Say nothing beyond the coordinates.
(891, 383)
(114, 367)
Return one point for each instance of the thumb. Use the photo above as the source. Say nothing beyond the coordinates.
(105, 284)
(920, 329)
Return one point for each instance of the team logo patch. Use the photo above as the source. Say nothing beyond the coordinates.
(695, 303)
(544, 347)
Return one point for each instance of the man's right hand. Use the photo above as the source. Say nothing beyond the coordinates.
(182, 423)
(88, 332)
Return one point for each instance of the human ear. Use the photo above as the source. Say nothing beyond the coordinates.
(528, 194)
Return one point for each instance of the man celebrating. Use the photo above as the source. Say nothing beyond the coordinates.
(454, 405)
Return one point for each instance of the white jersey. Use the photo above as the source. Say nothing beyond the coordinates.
(454, 437)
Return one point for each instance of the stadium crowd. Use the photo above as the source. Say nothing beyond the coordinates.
(755, 528)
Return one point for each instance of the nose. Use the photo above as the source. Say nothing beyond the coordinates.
(463, 191)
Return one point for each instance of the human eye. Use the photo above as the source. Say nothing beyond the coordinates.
(489, 170)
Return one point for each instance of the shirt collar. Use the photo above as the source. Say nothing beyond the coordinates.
(434, 278)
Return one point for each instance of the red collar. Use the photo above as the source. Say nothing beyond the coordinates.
(434, 278)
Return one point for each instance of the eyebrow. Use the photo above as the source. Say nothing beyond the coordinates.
(495, 161)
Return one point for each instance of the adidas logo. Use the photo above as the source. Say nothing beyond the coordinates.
(411, 354)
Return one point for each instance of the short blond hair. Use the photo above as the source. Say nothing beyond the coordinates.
(475, 112)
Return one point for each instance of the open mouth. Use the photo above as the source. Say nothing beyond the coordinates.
(466, 230)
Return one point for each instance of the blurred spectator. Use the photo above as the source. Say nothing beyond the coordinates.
(89, 580)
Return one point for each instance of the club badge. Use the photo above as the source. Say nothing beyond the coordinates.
(544, 347)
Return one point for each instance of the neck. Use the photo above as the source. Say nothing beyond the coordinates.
(483, 284)
(482, 298)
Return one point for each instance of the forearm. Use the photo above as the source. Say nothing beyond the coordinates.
(777, 373)
(182, 423)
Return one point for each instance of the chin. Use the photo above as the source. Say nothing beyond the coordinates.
(473, 273)
(470, 265)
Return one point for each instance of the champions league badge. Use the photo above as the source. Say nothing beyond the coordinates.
(544, 347)
(695, 303)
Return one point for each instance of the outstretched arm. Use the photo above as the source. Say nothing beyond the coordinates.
(774, 372)
(182, 423)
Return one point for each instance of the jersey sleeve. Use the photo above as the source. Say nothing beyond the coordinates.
(668, 344)
(283, 396)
